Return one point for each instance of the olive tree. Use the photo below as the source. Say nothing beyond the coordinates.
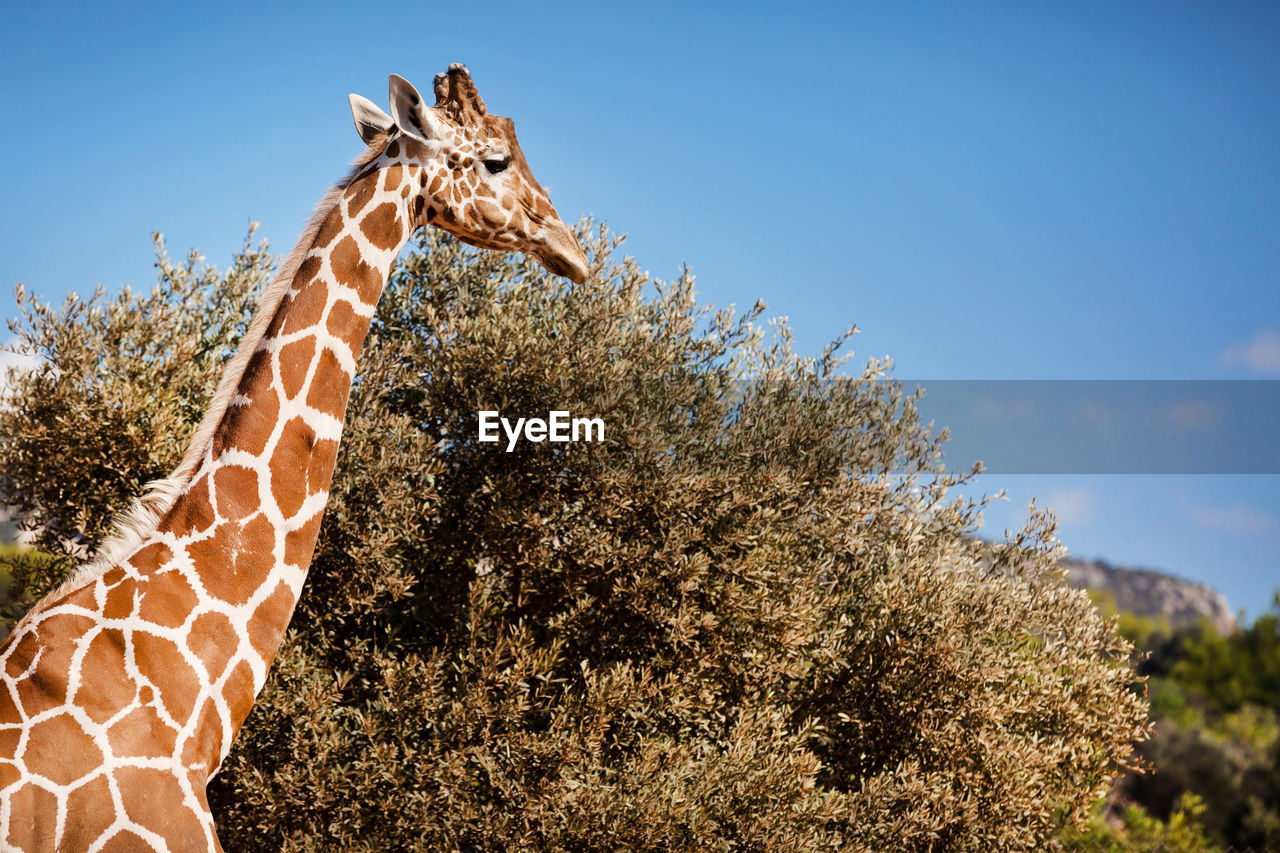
(753, 617)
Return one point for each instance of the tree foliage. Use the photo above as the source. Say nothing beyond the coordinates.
(1216, 701)
(750, 619)
(1237, 670)
(1136, 831)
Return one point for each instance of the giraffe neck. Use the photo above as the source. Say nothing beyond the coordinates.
(241, 536)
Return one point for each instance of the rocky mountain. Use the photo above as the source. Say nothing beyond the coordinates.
(1151, 593)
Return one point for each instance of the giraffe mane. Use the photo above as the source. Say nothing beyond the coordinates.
(158, 497)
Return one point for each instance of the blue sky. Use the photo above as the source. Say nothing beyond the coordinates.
(1003, 190)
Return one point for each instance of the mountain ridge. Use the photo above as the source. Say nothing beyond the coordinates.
(1152, 593)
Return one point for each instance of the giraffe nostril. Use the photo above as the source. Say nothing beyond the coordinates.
(565, 260)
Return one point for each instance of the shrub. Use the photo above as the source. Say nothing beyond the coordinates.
(751, 619)
(1217, 737)
(1236, 670)
(1138, 832)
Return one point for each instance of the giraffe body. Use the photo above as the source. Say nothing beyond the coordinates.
(121, 692)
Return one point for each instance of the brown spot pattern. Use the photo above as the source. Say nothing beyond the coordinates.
(9, 745)
(122, 593)
(288, 462)
(307, 270)
(344, 323)
(295, 358)
(46, 687)
(141, 733)
(205, 745)
(300, 544)
(125, 841)
(248, 427)
(236, 488)
(392, 177)
(351, 271)
(91, 805)
(320, 471)
(358, 195)
(73, 751)
(166, 600)
(150, 558)
(105, 688)
(306, 308)
(267, 625)
(382, 226)
(192, 512)
(41, 809)
(40, 694)
(213, 640)
(329, 389)
(154, 799)
(330, 228)
(22, 655)
(234, 558)
(160, 662)
(238, 693)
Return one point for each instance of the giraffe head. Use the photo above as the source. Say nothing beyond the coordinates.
(474, 182)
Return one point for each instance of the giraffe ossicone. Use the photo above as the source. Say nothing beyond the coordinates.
(123, 689)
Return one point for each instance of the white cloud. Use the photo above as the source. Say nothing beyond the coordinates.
(1190, 416)
(991, 410)
(18, 361)
(1094, 414)
(1260, 355)
(1071, 506)
(1239, 517)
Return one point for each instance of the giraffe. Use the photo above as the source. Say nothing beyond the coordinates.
(122, 689)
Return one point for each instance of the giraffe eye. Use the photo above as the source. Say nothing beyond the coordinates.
(496, 166)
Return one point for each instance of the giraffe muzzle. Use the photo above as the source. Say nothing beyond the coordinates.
(562, 255)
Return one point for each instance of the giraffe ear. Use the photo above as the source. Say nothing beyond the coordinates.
(370, 121)
(411, 113)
